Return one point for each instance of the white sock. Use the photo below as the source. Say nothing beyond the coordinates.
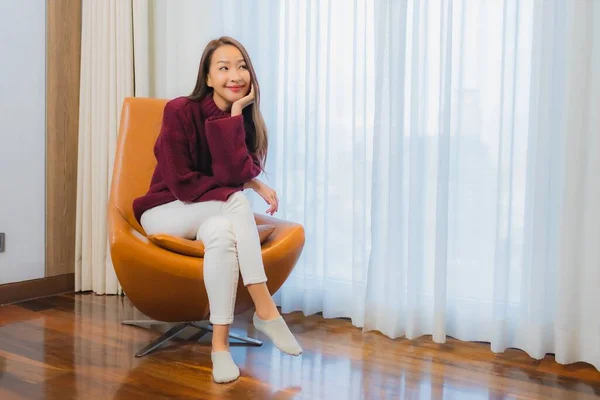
(224, 369)
(278, 331)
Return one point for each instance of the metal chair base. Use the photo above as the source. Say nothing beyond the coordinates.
(202, 326)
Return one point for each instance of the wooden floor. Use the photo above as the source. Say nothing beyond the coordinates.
(74, 347)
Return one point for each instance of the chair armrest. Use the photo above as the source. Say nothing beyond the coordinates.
(287, 236)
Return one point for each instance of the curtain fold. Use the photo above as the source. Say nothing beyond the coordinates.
(577, 327)
(141, 43)
(106, 79)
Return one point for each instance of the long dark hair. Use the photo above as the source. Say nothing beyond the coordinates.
(253, 119)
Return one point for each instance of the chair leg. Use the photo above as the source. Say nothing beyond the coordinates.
(198, 335)
(248, 340)
(171, 333)
(203, 328)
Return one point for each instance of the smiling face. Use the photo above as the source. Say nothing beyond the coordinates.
(228, 76)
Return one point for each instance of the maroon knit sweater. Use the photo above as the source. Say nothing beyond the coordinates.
(202, 154)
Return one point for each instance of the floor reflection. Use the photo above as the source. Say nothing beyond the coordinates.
(72, 347)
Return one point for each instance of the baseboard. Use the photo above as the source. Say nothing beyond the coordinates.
(44, 287)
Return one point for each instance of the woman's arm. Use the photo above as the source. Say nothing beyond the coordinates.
(268, 194)
(232, 162)
(252, 184)
(175, 162)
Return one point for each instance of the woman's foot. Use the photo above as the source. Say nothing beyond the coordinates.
(269, 314)
(277, 330)
(224, 368)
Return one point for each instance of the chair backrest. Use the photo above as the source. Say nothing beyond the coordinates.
(140, 125)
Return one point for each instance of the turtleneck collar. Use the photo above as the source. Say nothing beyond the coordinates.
(210, 108)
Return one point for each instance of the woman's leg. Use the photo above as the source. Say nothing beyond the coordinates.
(221, 273)
(239, 211)
(267, 319)
(203, 221)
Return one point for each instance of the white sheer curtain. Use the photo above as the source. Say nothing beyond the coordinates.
(577, 324)
(453, 148)
(322, 151)
(439, 154)
(474, 197)
(106, 79)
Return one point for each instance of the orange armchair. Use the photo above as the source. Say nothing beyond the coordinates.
(164, 285)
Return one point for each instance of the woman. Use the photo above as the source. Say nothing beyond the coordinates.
(212, 145)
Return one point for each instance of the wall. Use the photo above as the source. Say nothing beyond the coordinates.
(22, 138)
(40, 43)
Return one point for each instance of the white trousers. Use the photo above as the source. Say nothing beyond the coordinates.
(228, 231)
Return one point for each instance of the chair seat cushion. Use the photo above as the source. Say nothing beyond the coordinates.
(195, 248)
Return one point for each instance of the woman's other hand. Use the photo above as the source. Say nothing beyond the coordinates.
(267, 193)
